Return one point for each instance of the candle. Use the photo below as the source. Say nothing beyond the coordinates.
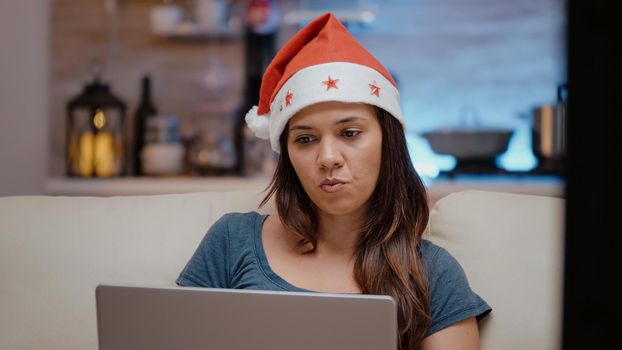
(103, 147)
(104, 152)
(85, 154)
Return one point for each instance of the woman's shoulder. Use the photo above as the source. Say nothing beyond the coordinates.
(430, 252)
(236, 217)
(240, 217)
(234, 227)
(239, 229)
(451, 296)
(237, 221)
(438, 261)
(227, 242)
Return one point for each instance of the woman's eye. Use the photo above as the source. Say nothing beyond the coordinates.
(351, 133)
(303, 139)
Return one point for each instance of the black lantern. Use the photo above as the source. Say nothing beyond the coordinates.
(96, 145)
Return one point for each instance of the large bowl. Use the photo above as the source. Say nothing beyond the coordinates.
(467, 145)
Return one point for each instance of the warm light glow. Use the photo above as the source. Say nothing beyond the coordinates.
(104, 154)
(99, 120)
(96, 154)
(203, 156)
(85, 155)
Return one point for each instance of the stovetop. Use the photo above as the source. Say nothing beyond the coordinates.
(489, 167)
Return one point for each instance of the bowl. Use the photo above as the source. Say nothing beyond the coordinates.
(162, 158)
(469, 144)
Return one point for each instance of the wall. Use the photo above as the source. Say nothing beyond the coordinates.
(503, 57)
(23, 96)
(186, 72)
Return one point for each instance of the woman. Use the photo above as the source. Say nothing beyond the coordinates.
(351, 208)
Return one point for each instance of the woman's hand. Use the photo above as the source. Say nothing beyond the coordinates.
(463, 335)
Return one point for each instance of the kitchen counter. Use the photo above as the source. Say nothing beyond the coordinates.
(539, 185)
(438, 188)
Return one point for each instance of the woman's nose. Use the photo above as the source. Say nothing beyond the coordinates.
(329, 155)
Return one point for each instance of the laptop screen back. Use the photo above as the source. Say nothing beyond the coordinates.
(133, 317)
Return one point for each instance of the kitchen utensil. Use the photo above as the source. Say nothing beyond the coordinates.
(549, 131)
(213, 154)
(162, 158)
(469, 141)
(163, 128)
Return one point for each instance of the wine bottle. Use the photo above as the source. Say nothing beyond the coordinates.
(261, 30)
(146, 109)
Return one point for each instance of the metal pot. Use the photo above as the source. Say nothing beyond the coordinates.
(469, 142)
(549, 130)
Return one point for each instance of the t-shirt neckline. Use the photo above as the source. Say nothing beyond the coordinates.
(262, 259)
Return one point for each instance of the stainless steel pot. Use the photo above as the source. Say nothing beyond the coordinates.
(549, 129)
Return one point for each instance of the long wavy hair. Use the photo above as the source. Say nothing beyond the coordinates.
(388, 259)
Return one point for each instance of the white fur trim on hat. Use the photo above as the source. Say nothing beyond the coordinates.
(260, 125)
(306, 87)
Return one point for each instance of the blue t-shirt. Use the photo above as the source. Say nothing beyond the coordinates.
(231, 255)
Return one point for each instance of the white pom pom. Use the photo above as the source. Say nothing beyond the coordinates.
(260, 125)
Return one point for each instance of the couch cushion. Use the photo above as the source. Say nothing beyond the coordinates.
(55, 250)
(511, 248)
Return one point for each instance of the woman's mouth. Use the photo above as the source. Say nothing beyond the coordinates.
(331, 186)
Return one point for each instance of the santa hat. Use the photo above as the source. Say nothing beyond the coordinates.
(322, 62)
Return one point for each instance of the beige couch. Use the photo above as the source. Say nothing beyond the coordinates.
(55, 250)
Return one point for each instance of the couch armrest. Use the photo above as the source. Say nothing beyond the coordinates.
(511, 248)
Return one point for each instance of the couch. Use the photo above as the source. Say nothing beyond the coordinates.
(54, 251)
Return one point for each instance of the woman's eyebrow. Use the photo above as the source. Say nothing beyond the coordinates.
(348, 119)
(300, 127)
(340, 121)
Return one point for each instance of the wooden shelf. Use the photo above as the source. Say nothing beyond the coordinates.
(150, 185)
(191, 32)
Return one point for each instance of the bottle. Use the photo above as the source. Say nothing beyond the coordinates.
(146, 109)
(261, 28)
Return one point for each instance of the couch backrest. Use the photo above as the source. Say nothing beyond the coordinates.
(511, 248)
(54, 251)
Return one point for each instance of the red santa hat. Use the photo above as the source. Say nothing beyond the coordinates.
(322, 62)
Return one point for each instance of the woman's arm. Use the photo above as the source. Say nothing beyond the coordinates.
(463, 335)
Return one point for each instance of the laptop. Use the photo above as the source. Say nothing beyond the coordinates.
(158, 318)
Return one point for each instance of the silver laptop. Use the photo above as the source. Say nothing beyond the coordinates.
(158, 318)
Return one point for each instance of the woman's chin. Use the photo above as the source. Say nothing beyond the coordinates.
(338, 208)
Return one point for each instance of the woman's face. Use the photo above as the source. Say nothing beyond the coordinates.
(335, 149)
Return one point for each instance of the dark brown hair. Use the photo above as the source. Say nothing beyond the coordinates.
(388, 260)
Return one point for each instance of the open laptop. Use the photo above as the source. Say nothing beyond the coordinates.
(158, 318)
